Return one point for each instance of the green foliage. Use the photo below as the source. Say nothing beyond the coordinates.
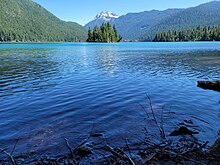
(106, 33)
(26, 21)
(195, 34)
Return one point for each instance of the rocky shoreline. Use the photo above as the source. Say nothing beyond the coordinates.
(181, 148)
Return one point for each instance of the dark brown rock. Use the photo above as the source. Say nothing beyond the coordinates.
(182, 131)
(212, 85)
(96, 134)
(84, 151)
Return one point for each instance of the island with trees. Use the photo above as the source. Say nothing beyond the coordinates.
(104, 33)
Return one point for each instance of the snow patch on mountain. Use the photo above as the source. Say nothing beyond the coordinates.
(106, 15)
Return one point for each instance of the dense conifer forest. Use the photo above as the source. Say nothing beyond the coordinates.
(27, 21)
(104, 33)
(195, 34)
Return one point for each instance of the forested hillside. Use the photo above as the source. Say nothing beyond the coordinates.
(207, 14)
(196, 34)
(25, 21)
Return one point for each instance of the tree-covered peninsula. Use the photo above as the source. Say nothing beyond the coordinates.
(104, 33)
(195, 34)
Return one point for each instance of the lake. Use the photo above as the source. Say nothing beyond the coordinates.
(52, 91)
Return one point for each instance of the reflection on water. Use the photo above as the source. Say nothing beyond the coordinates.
(107, 60)
(49, 92)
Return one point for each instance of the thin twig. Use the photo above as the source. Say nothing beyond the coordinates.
(9, 155)
(14, 147)
(192, 160)
(144, 110)
(152, 111)
(71, 150)
(130, 160)
(84, 141)
(183, 157)
(161, 124)
(205, 144)
(154, 118)
(126, 141)
(108, 148)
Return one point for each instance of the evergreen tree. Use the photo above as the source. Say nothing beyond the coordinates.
(104, 33)
(196, 34)
(90, 35)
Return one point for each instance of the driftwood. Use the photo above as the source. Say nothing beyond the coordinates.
(212, 85)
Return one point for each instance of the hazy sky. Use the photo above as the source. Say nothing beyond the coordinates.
(83, 11)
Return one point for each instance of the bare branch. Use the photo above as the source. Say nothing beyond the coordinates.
(9, 155)
(71, 150)
(16, 142)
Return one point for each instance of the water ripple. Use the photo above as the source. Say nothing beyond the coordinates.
(52, 91)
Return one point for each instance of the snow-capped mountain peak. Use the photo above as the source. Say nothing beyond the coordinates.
(105, 15)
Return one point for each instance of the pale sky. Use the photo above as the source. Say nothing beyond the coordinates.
(83, 11)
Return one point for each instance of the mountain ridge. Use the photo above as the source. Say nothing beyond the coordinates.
(143, 26)
(207, 14)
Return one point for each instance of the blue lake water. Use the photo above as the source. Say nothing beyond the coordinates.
(52, 91)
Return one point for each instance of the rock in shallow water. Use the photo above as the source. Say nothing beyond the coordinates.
(182, 131)
(84, 151)
(212, 85)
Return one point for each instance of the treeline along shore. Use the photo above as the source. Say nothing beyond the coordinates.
(195, 34)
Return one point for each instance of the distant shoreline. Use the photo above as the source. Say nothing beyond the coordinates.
(107, 42)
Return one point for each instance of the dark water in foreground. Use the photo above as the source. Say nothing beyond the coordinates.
(49, 92)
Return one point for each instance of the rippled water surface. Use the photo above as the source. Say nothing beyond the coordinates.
(49, 92)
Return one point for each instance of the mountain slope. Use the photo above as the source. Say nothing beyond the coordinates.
(143, 26)
(207, 14)
(133, 26)
(25, 20)
(100, 18)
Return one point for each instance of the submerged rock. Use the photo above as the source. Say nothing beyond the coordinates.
(212, 85)
(84, 150)
(182, 131)
(96, 135)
